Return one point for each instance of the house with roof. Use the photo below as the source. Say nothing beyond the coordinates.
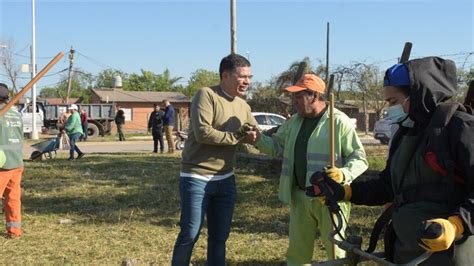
(138, 105)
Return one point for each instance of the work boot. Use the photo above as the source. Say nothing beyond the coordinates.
(12, 235)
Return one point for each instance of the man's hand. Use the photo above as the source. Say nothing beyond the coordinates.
(323, 185)
(439, 234)
(247, 133)
(335, 173)
(251, 137)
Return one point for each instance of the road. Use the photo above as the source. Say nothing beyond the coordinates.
(141, 146)
(104, 147)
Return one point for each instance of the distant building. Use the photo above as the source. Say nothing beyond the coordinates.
(54, 101)
(138, 105)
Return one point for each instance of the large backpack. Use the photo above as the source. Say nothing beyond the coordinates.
(437, 153)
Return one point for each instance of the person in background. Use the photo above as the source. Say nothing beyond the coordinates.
(74, 130)
(168, 123)
(11, 164)
(155, 124)
(85, 124)
(120, 121)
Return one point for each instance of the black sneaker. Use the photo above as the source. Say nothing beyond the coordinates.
(80, 156)
(70, 158)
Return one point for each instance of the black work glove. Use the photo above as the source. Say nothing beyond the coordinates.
(323, 185)
(243, 130)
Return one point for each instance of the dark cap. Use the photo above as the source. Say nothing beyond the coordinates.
(4, 92)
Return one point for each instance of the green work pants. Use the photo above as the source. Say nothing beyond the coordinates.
(309, 218)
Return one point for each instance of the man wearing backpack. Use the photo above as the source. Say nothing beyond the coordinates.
(429, 175)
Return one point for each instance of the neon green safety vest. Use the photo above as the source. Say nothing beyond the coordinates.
(349, 152)
(11, 139)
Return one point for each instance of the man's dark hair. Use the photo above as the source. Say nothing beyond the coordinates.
(231, 62)
(405, 90)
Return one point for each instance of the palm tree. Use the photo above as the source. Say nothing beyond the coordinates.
(296, 70)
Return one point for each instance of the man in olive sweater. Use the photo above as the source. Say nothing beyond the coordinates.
(219, 118)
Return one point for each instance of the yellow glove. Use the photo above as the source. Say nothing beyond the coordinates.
(335, 173)
(439, 234)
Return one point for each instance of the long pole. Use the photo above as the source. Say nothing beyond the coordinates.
(327, 53)
(34, 133)
(69, 79)
(233, 27)
(30, 84)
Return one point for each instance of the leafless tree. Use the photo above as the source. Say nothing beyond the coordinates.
(8, 62)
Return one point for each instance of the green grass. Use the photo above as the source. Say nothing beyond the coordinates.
(106, 209)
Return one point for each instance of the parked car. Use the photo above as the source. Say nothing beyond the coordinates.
(267, 121)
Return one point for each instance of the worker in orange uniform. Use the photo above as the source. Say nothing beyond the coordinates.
(11, 164)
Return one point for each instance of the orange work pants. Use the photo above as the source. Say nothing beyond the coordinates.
(11, 191)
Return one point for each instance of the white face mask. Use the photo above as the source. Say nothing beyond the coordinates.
(396, 114)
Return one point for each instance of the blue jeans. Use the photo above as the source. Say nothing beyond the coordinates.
(216, 199)
(85, 127)
(73, 139)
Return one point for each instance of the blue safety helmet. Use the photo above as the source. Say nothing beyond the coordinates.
(397, 75)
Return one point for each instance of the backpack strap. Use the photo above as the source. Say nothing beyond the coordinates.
(381, 223)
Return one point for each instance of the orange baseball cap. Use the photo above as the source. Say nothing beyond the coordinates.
(308, 82)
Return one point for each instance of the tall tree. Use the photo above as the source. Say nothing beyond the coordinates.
(287, 77)
(105, 77)
(201, 78)
(366, 84)
(8, 62)
(149, 81)
(264, 98)
(81, 86)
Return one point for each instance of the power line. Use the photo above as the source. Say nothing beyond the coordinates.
(102, 65)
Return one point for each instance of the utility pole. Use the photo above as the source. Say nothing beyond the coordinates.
(34, 131)
(69, 80)
(233, 27)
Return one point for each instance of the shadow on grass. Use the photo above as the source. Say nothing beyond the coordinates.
(244, 263)
(115, 187)
(104, 187)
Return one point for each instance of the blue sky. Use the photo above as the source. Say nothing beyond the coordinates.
(187, 35)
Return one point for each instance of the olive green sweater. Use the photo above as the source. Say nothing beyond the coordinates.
(215, 118)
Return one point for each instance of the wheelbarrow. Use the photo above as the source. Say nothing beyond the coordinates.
(46, 149)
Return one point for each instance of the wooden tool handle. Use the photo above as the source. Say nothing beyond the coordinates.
(30, 84)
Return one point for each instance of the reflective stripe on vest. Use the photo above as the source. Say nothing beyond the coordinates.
(12, 146)
(284, 167)
(13, 225)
